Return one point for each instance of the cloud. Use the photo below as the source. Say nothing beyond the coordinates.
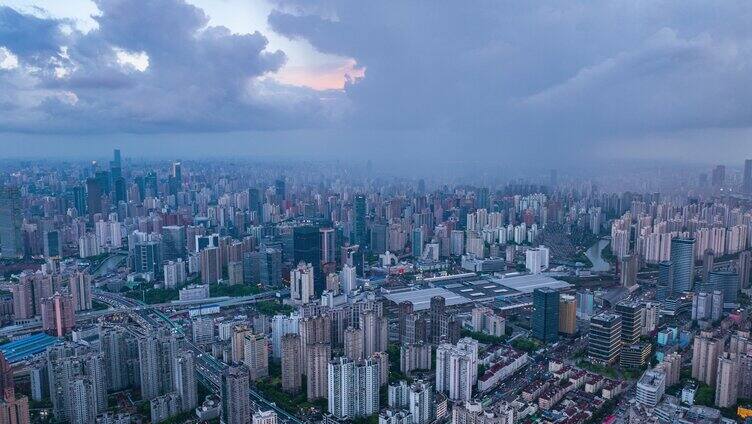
(539, 77)
(149, 66)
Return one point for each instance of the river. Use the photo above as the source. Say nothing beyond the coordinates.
(594, 254)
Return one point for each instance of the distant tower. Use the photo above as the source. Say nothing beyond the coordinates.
(545, 318)
(682, 264)
(10, 223)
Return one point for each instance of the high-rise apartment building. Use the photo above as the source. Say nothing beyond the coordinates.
(457, 368)
(211, 268)
(236, 403)
(156, 351)
(375, 336)
(291, 365)
(727, 380)
(705, 351)
(302, 283)
(439, 319)
(317, 367)
(353, 388)
(80, 289)
(184, 377)
(256, 355)
(58, 316)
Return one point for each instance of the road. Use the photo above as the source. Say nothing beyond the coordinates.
(208, 368)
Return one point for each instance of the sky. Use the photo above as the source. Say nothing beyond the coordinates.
(502, 83)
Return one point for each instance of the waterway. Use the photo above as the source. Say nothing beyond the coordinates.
(594, 254)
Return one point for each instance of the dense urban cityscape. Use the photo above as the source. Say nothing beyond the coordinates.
(235, 292)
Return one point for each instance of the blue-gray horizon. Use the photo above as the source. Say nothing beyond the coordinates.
(544, 82)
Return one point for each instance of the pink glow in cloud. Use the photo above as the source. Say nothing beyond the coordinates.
(330, 76)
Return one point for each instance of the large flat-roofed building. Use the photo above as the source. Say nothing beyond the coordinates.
(461, 289)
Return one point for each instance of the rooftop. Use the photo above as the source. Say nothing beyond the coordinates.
(24, 348)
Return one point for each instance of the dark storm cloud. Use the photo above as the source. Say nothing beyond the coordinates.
(199, 77)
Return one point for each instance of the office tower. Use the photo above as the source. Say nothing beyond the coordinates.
(353, 388)
(727, 282)
(77, 382)
(353, 339)
(417, 242)
(650, 388)
(11, 222)
(263, 267)
(211, 269)
(421, 402)
(359, 221)
(375, 332)
(405, 309)
(302, 283)
(545, 318)
(156, 350)
(236, 404)
(439, 319)
(264, 417)
(317, 365)
(306, 243)
(151, 185)
(328, 245)
(631, 321)
(291, 365)
(147, 257)
(121, 360)
(379, 238)
(705, 351)
(256, 355)
(457, 369)
(682, 264)
(184, 376)
(254, 203)
(665, 285)
(719, 176)
(281, 325)
(708, 259)
(415, 357)
(747, 177)
(80, 288)
(585, 303)
(53, 246)
(604, 341)
(93, 197)
(567, 314)
(280, 190)
(58, 316)
(744, 268)
(173, 242)
(727, 380)
(628, 265)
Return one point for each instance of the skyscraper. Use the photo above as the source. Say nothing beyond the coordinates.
(374, 330)
(359, 220)
(256, 355)
(417, 243)
(705, 351)
(58, 316)
(439, 319)
(184, 376)
(317, 365)
(236, 404)
(211, 269)
(567, 314)
(604, 342)
(120, 349)
(328, 245)
(291, 365)
(545, 318)
(747, 179)
(727, 380)
(457, 369)
(173, 242)
(93, 196)
(353, 388)
(727, 282)
(307, 248)
(682, 264)
(10, 223)
(302, 283)
(80, 289)
(665, 281)
(155, 352)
